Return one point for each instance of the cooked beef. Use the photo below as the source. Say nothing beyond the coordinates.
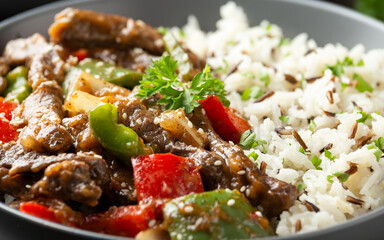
(121, 188)
(41, 114)
(82, 135)
(77, 177)
(3, 84)
(20, 51)
(47, 66)
(69, 180)
(273, 195)
(4, 67)
(75, 28)
(135, 59)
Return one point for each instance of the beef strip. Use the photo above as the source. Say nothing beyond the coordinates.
(75, 28)
(272, 195)
(77, 177)
(46, 66)
(40, 114)
(69, 180)
(21, 51)
(135, 59)
(82, 135)
(121, 188)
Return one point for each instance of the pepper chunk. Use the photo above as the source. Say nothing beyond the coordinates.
(111, 73)
(226, 123)
(38, 210)
(165, 176)
(117, 138)
(124, 221)
(18, 88)
(219, 214)
(8, 132)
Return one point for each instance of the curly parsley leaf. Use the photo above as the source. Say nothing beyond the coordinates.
(312, 125)
(316, 162)
(162, 78)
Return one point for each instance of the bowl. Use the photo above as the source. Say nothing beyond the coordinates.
(324, 22)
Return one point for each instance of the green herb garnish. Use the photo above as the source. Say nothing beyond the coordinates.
(316, 162)
(364, 117)
(377, 151)
(284, 41)
(248, 140)
(265, 78)
(342, 176)
(301, 187)
(253, 155)
(161, 78)
(379, 143)
(362, 85)
(312, 125)
(328, 155)
(252, 93)
(284, 119)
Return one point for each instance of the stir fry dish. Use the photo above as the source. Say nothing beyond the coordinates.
(116, 127)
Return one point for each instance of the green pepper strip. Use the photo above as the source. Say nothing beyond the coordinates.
(117, 138)
(111, 73)
(17, 85)
(229, 215)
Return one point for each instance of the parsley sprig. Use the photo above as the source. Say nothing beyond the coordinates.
(162, 78)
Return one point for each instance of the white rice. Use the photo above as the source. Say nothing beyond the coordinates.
(255, 51)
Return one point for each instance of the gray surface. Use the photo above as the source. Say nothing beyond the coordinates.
(324, 22)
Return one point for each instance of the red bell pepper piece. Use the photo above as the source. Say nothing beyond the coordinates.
(80, 54)
(38, 210)
(123, 221)
(7, 131)
(226, 123)
(165, 176)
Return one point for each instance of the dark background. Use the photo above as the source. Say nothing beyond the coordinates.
(9, 8)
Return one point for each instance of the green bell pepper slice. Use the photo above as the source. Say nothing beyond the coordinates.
(18, 88)
(122, 141)
(219, 214)
(111, 73)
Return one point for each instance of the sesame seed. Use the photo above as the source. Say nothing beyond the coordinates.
(242, 189)
(179, 236)
(99, 64)
(97, 156)
(188, 209)
(19, 129)
(258, 213)
(201, 131)
(217, 163)
(231, 202)
(125, 116)
(139, 121)
(230, 142)
(190, 125)
(156, 121)
(28, 186)
(247, 192)
(179, 114)
(241, 172)
(214, 142)
(203, 111)
(20, 152)
(152, 223)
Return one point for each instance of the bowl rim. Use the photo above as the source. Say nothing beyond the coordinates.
(317, 4)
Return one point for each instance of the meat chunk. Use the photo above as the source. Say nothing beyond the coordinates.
(82, 135)
(75, 28)
(135, 59)
(77, 177)
(41, 113)
(68, 180)
(20, 51)
(47, 66)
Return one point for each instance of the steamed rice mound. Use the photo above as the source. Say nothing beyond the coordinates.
(324, 105)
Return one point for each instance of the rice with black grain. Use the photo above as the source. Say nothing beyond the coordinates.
(333, 97)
